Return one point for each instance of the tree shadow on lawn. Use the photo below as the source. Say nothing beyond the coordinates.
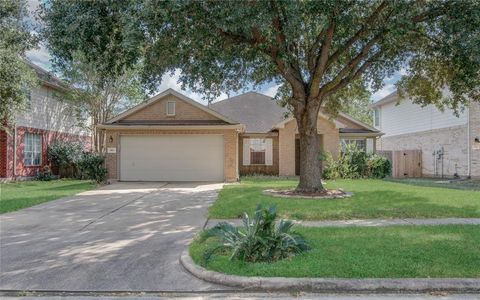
(363, 205)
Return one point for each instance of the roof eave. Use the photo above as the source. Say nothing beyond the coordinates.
(239, 127)
(160, 96)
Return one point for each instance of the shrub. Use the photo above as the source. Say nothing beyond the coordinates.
(45, 174)
(259, 240)
(378, 167)
(354, 163)
(92, 167)
(66, 156)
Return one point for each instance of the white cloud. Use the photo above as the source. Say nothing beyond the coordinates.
(40, 56)
(170, 81)
(270, 91)
(385, 91)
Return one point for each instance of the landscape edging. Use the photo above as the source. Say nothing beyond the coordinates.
(460, 285)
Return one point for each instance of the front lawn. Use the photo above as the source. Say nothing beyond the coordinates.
(18, 195)
(372, 199)
(448, 251)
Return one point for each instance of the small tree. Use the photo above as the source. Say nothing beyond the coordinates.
(99, 98)
(105, 80)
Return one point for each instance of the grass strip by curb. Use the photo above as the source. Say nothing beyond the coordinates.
(420, 285)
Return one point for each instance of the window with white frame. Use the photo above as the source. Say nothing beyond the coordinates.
(361, 144)
(32, 152)
(170, 108)
(376, 117)
(257, 151)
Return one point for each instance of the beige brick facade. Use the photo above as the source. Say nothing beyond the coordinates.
(452, 139)
(183, 111)
(330, 140)
(141, 121)
(230, 138)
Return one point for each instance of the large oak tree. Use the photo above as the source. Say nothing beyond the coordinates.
(322, 52)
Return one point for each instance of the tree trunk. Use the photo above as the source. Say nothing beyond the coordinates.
(310, 163)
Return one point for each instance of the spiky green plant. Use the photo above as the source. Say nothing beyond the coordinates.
(260, 239)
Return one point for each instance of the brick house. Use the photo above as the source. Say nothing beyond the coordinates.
(450, 144)
(48, 117)
(174, 138)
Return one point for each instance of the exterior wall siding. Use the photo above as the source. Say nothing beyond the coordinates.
(452, 139)
(258, 169)
(48, 111)
(475, 134)
(183, 111)
(408, 117)
(230, 138)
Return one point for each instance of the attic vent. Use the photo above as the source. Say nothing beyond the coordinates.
(170, 108)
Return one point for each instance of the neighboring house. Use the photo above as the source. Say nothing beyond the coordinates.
(48, 117)
(174, 138)
(450, 144)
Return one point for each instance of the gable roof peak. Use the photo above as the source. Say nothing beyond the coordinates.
(163, 94)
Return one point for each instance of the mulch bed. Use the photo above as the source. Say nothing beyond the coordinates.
(325, 194)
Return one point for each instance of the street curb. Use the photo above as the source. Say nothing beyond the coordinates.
(338, 285)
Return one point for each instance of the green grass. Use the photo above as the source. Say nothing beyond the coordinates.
(368, 252)
(372, 199)
(18, 195)
(472, 185)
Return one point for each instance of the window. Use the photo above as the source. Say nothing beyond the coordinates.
(32, 153)
(257, 151)
(361, 144)
(376, 117)
(170, 108)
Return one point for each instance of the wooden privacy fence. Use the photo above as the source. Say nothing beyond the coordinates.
(405, 163)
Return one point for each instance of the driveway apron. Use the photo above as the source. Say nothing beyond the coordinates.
(122, 237)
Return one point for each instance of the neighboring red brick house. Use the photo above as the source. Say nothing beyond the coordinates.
(23, 151)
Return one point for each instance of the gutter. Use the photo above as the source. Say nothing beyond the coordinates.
(364, 134)
(469, 151)
(239, 127)
(14, 151)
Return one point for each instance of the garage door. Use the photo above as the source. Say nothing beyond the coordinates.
(171, 158)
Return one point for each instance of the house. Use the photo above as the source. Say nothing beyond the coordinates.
(48, 117)
(449, 144)
(171, 137)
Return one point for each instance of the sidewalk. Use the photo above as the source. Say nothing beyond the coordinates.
(366, 223)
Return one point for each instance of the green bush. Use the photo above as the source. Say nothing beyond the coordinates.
(354, 163)
(378, 167)
(92, 167)
(45, 174)
(66, 156)
(259, 240)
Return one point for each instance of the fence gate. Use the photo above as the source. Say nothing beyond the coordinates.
(407, 163)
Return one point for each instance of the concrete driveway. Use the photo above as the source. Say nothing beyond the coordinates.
(124, 236)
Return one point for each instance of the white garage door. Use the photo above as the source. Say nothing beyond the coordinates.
(171, 158)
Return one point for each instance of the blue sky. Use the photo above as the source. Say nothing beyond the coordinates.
(41, 57)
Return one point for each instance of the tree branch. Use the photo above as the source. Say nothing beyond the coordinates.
(322, 60)
(354, 75)
(359, 34)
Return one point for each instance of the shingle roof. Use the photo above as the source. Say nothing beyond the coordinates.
(387, 99)
(258, 112)
(47, 77)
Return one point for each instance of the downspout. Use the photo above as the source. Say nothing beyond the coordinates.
(14, 151)
(469, 154)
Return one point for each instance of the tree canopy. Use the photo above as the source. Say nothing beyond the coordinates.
(324, 53)
(16, 77)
